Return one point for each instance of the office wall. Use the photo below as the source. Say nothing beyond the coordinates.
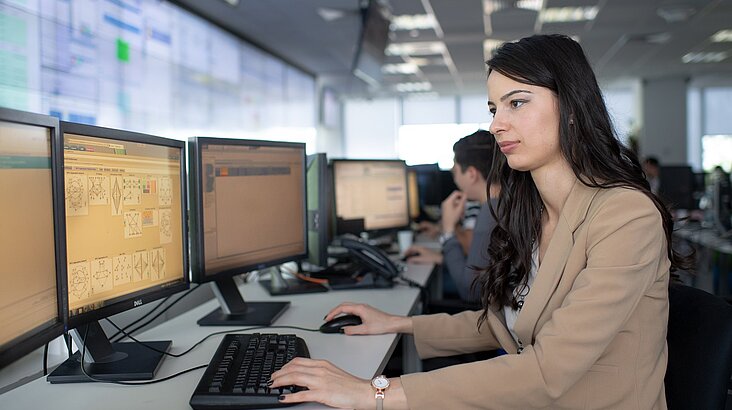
(147, 65)
(664, 125)
(370, 128)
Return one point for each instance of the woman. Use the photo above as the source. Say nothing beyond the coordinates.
(577, 289)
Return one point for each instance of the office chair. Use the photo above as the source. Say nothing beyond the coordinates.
(699, 349)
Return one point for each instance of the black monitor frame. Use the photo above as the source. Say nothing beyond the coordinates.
(339, 226)
(19, 347)
(121, 361)
(234, 311)
(144, 297)
(319, 221)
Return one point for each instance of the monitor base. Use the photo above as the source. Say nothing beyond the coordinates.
(132, 361)
(257, 314)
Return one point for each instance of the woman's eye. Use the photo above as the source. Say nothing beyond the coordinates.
(492, 111)
(517, 103)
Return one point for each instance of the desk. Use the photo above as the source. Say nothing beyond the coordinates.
(713, 254)
(363, 356)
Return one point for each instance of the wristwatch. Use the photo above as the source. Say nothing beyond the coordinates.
(380, 383)
(446, 237)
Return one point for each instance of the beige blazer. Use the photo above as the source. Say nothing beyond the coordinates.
(592, 330)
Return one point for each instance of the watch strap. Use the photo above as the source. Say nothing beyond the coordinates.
(446, 237)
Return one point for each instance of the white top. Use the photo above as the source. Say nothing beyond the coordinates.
(521, 292)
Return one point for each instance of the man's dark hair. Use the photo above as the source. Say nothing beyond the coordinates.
(652, 161)
(475, 150)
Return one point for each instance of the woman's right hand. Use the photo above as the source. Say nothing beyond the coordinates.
(373, 321)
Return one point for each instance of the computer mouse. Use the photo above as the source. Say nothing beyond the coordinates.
(337, 324)
(406, 257)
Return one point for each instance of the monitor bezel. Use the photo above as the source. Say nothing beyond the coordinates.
(148, 295)
(377, 231)
(198, 261)
(324, 207)
(37, 337)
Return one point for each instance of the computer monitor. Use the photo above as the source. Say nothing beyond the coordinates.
(125, 242)
(31, 238)
(319, 209)
(677, 186)
(722, 203)
(370, 195)
(248, 212)
(413, 193)
(434, 184)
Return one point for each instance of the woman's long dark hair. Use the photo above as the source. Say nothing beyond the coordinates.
(588, 143)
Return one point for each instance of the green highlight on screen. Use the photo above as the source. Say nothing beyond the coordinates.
(123, 51)
(22, 162)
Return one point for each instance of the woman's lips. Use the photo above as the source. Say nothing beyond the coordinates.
(508, 146)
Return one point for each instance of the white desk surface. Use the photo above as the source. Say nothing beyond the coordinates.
(363, 356)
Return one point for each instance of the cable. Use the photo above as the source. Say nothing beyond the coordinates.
(151, 319)
(162, 302)
(83, 370)
(424, 293)
(45, 360)
(67, 339)
(246, 329)
(83, 352)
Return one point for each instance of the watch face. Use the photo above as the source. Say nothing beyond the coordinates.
(380, 382)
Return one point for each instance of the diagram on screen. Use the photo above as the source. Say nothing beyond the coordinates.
(157, 263)
(98, 190)
(77, 195)
(132, 191)
(133, 224)
(117, 185)
(150, 185)
(166, 234)
(149, 218)
(102, 278)
(140, 266)
(165, 195)
(79, 281)
(122, 269)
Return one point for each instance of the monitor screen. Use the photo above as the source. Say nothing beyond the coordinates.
(125, 230)
(31, 312)
(248, 205)
(371, 193)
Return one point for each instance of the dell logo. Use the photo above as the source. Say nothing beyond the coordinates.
(137, 303)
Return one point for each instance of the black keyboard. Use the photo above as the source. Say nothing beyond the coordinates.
(238, 373)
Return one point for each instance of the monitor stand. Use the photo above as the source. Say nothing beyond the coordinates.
(108, 361)
(234, 311)
(278, 285)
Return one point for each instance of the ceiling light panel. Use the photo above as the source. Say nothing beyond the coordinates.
(568, 14)
(704, 57)
(416, 49)
(413, 22)
(404, 68)
(413, 87)
(722, 36)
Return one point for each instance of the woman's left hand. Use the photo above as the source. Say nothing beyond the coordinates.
(326, 384)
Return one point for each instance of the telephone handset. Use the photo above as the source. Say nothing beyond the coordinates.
(371, 256)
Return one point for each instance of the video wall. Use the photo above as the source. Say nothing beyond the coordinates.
(144, 65)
